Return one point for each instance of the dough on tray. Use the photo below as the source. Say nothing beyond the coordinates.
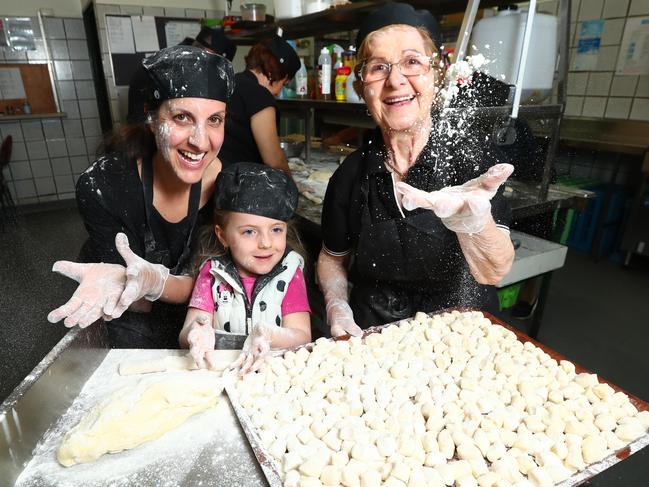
(448, 399)
(137, 414)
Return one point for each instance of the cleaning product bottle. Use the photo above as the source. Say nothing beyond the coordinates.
(324, 74)
(301, 81)
(341, 82)
(350, 92)
(337, 63)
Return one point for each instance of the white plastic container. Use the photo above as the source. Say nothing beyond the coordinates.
(324, 74)
(301, 81)
(350, 92)
(500, 39)
(288, 9)
(313, 6)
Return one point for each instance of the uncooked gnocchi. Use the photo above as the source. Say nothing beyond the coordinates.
(437, 400)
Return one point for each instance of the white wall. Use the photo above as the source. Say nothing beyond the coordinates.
(61, 8)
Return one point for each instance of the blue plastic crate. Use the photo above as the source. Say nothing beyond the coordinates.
(584, 225)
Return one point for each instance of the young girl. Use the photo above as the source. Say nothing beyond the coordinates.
(252, 286)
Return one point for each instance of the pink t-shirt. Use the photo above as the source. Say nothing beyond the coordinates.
(295, 299)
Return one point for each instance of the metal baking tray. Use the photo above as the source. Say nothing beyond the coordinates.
(271, 471)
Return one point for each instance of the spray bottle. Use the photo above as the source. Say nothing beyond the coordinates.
(324, 74)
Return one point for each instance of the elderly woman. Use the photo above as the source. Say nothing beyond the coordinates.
(143, 200)
(418, 221)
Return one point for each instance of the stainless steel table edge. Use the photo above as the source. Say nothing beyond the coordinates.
(45, 394)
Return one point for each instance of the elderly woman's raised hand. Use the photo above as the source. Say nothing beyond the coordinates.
(462, 209)
(100, 288)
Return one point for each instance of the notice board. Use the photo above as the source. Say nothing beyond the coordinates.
(37, 88)
(132, 38)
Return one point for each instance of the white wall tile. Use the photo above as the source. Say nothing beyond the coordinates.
(599, 84)
(574, 105)
(32, 130)
(52, 129)
(76, 146)
(88, 109)
(71, 108)
(612, 32)
(593, 106)
(639, 7)
(155, 11)
(623, 85)
(18, 151)
(59, 49)
(37, 150)
(130, 9)
(618, 107)
(640, 109)
(54, 28)
(74, 28)
(72, 128)
(25, 189)
(549, 7)
(45, 186)
(574, 9)
(81, 70)
(79, 164)
(57, 148)
(20, 170)
(67, 196)
(41, 168)
(78, 49)
(85, 90)
(64, 183)
(192, 13)
(91, 127)
(590, 9)
(607, 58)
(175, 12)
(577, 83)
(615, 8)
(643, 87)
(13, 129)
(66, 90)
(60, 165)
(39, 53)
(63, 70)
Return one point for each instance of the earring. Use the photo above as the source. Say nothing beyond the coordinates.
(368, 112)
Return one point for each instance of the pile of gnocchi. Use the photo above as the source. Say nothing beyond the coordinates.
(449, 399)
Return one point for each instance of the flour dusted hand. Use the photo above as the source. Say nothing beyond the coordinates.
(143, 279)
(201, 340)
(462, 209)
(341, 319)
(255, 349)
(100, 288)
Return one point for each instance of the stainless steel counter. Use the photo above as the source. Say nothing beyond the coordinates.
(210, 449)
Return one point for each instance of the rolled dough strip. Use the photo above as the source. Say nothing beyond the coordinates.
(167, 364)
(141, 413)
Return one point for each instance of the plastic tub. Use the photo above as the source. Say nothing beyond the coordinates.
(288, 9)
(313, 6)
(253, 12)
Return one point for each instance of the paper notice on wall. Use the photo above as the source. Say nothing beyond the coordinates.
(177, 31)
(588, 43)
(11, 84)
(120, 34)
(144, 31)
(634, 51)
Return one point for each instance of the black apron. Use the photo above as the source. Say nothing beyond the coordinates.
(160, 327)
(408, 264)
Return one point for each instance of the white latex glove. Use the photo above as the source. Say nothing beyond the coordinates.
(201, 341)
(341, 319)
(462, 209)
(143, 279)
(100, 287)
(255, 349)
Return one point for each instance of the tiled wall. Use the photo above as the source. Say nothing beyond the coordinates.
(49, 154)
(601, 93)
(119, 94)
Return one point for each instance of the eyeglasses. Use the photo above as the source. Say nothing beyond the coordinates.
(408, 66)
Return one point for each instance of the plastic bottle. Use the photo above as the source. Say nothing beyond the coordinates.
(27, 108)
(350, 92)
(301, 81)
(348, 57)
(341, 82)
(324, 74)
